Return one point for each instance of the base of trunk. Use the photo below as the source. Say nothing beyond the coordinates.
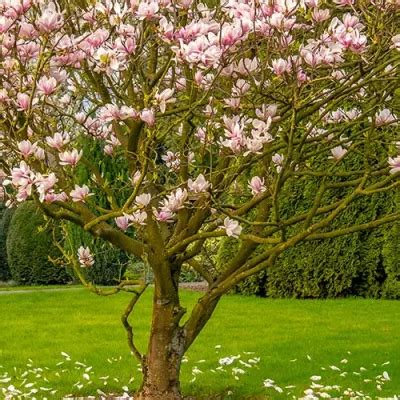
(149, 394)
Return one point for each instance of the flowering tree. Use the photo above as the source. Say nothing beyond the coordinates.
(210, 111)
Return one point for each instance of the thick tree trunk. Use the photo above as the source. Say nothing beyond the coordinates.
(166, 348)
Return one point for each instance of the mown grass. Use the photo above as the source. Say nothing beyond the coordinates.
(294, 340)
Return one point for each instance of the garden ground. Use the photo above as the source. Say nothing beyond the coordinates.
(54, 343)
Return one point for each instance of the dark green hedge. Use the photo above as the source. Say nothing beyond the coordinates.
(5, 219)
(29, 246)
(364, 264)
(110, 262)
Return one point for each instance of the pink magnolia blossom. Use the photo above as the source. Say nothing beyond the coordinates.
(80, 193)
(384, 117)
(52, 196)
(164, 98)
(148, 117)
(50, 20)
(23, 101)
(172, 160)
(138, 217)
(163, 215)
(22, 178)
(320, 15)
(59, 140)
(175, 200)
(5, 23)
(396, 42)
(344, 3)
(39, 153)
(147, 9)
(278, 160)
(257, 185)
(26, 148)
(143, 200)
(136, 178)
(127, 46)
(111, 112)
(45, 184)
(281, 66)
(232, 227)
(338, 153)
(268, 112)
(394, 164)
(85, 257)
(46, 86)
(199, 185)
(123, 222)
(70, 157)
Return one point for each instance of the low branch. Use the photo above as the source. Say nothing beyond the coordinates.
(356, 228)
(128, 327)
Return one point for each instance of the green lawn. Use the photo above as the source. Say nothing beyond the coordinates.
(293, 339)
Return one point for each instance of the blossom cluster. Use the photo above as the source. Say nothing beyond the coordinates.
(183, 94)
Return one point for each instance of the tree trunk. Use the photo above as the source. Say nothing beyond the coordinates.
(166, 348)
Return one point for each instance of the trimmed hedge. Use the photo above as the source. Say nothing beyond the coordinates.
(5, 219)
(29, 246)
(363, 264)
(110, 263)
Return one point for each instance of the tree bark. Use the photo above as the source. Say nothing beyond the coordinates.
(166, 348)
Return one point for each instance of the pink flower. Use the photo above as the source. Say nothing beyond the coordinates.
(5, 24)
(45, 184)
(147, 10)
(143, 200)
(70, 157)
(232, 227)
(163, 215)
(394, 164)
(338, 153)
(39, 153)
(267, 112)
(127, 45)
(26, 148)
(278, 160)
(384, 117)
(257, 186)
(80, 193)
(51, 196)
(320, 15)
(280, 66)
(58, 140)
(23, 101)
(199, 185)
(50, 20)
(175, 201)
(111, 112)
(46, 86)
(344, 3)
(138, 217)
(165, 97)
(85, 257)
(97, 38)
(22, 178)
(396, 42)
(147, 116)
(123, 222)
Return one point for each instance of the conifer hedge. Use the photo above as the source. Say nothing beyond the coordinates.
(29, 249)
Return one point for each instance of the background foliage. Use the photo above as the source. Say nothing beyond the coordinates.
(5, 218)
(110, 262)
(361, 264)
(29, 246)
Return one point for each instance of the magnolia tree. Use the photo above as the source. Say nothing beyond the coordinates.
(211, 111)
